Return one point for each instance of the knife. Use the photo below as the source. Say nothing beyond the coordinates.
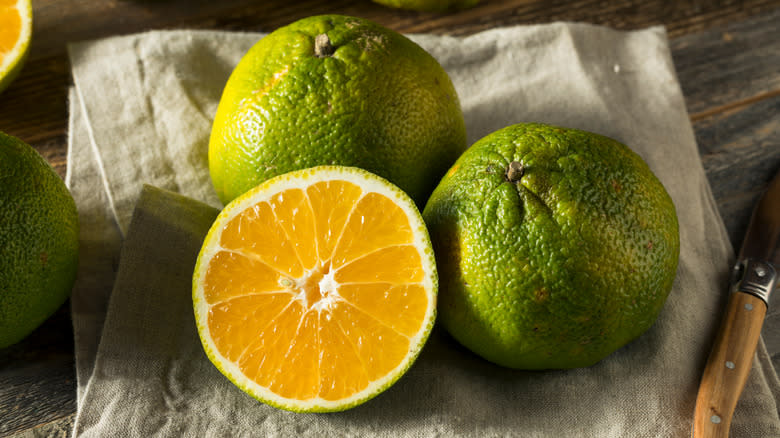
(754, 276)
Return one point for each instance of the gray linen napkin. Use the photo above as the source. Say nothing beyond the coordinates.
(141, 112)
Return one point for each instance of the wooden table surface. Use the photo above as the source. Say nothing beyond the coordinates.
(727, 55)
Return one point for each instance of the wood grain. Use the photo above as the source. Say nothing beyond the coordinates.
(37, 378)
(740, 152)
(73, 20)
(58, 428)
(729, 66)
(730, 80)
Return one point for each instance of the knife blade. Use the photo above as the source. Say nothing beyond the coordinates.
(754, 276)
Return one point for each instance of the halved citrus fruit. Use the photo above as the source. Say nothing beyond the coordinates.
(316, 290)
(15, 33)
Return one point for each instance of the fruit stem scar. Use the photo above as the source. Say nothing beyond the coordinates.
(514, 172)
(322, 46)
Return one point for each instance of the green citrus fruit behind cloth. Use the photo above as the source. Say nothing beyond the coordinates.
(555, 247)
(339, 90)
(38, 240)
(429, 5)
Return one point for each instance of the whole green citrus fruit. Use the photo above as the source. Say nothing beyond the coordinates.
(336, 90)
(555, 247)
(429, 5)
(38, 240)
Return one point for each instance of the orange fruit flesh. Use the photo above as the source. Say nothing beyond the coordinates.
(10, 26)
(317, 291)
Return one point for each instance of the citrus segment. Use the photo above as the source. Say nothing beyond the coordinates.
(332, 203)
(292, 211)
(232, 275)
(317, 289)
(367, 231)
(378, 347)
(345, 375)
(15, 33)
(400, 307)
(9, 34)
(236, 321)
(394, 264)
(256, 232)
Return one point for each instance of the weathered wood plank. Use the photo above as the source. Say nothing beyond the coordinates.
(731, 83)
(37, 377)
(59, 428)
(729, 66)
(72, 20)
(740, 152)
(680, 18)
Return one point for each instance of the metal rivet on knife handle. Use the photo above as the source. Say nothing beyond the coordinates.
(759, 279)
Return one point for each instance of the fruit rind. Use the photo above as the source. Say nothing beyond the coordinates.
(587, 214)
(263, 192)
(38, 240)
(379, 102)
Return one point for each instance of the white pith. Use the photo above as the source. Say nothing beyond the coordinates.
(329, 289)
(327, 285)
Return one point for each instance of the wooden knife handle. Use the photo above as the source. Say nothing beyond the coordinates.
(728, 366)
